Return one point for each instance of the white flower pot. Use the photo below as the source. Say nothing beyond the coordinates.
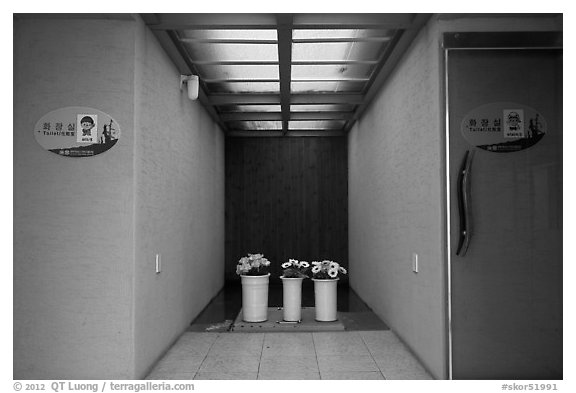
(292, 298)
(325, 295)
(255, 298)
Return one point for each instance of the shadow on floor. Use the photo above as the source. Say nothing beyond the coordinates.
(220, 313)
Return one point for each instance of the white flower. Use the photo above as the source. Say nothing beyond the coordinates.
(293, 261)
(252, 261)
(342, 270)
(315, 263)
(304, 264)
(334, 265)
(286, 265)
(333, 272)
(316, 269)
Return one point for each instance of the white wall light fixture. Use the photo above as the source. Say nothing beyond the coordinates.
(192, 84)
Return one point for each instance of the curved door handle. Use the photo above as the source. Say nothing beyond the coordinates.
(464, 201)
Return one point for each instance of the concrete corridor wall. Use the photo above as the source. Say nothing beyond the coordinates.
(179, 177)
(395, 188)
(87, 301)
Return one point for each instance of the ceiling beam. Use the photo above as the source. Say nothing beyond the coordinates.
(338, 40)
(236, 62)
(285, 65)
(274, 99)
(271, 80)
(321, 115)
(275, 63)
(262, 116)
(333, 62)
(327, 98)
(227, 41)
(244, 99)
(299, 133)
(316, 80)
(316, 132)
(184, 26)
(239, 80)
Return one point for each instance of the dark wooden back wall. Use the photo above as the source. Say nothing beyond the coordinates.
(286, 198)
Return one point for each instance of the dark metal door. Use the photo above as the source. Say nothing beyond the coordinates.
(505, 216)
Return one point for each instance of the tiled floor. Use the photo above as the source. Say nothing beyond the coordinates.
(355, 355)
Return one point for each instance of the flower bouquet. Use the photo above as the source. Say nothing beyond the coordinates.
(253, 271)
(295, 269)
(253, 265)
(327, 270)
(325, 276)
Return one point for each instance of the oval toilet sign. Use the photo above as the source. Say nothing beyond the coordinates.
(503, 127)
(77, 131)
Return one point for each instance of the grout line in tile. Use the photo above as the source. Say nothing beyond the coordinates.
(371, 355)
(316, 355)
(206, 356)
(261, 354)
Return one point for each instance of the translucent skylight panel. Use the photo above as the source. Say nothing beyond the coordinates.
(316, 87)
(336, 51)
(249, 108)
(214, 71)
(244, 87)
(299, 34)
(255, 125)
(321, 108)
(343, 71)
(316, 124)
(236, 34)
(232, 52)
